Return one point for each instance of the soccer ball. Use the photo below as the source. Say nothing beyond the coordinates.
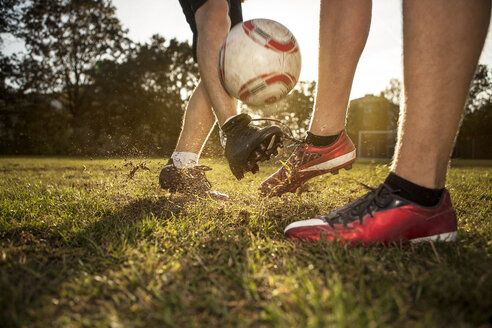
(259, 61)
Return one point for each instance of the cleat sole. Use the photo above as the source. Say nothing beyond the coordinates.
(264, 150)
(264, 153)
(447, 236)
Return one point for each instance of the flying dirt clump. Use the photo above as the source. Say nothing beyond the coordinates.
(135, 168)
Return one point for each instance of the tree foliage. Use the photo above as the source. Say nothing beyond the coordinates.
(475, 133)
(116, 97)
(146, 107)
(480, 94)
(64, 39)
(295, 110)
(393, 91)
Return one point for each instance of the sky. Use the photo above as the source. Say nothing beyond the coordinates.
(380, 61)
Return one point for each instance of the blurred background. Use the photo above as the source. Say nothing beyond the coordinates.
(111, 78)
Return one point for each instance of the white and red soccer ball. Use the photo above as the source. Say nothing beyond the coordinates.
(259, 61)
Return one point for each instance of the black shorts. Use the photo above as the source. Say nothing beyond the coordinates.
(191, 6)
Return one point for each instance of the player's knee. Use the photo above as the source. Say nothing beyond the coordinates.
(214, 12)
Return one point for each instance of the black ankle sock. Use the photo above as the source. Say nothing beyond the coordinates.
(413, 192)
(320, 141)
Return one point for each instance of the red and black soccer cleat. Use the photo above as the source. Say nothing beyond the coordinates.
(380, 216)
(307, 162)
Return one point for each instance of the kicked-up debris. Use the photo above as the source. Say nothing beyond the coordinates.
(135, 168)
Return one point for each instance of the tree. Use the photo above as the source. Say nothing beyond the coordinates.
(294, 110)
(393, 91)
(475, 133)
(64, 39)
(137, 104)
(9, 18)
(480, 94)
(9, 15)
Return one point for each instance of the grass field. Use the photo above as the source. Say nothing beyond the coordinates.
(84, 245)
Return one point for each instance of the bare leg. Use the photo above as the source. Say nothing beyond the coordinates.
(344, 26)
(213, 24)
(197, 124)
(442, 41)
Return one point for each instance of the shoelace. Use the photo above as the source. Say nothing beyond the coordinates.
(199, 168)
(202, 167)
(375, 199)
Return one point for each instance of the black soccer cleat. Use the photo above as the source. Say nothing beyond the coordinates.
(247, 145)
(186, 180)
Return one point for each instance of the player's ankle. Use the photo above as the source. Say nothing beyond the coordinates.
(321, 141)
(421, 195)
(234, 121)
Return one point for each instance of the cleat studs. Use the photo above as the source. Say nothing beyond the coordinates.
(257, 155)
(272, 141)
(263, 147)
(271, 153)
(334, 172)
(237, 172)
(348, 167)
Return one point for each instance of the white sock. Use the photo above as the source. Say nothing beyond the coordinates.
(183, 159)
